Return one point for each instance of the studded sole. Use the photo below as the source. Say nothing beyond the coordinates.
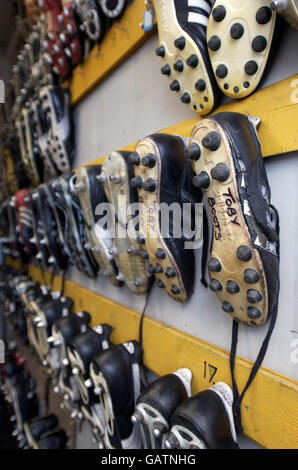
(126, 249)
(160, 259)
(235, 266)
(98, 246)
(191, 82)
(239, 37)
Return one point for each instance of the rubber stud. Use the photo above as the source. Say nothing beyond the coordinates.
(237, 31)
(141, 239)
(219, 13)
(215, 285)
(170, 273)
(151, 269)
(160, 284)
(254, 296)
(160, 51)
(185, 98)
(166, 70)
(212, 141)
(178, 66)
(192, 61)
(232, 287)
(158, 268)
(193, 152)
(251, 276)
(221, 71)
(132, 250)
(136, 182)
(180, 43)
(251, 67)
(214, 265)
(149, 185)
(220, 172)
(227, 307)
(144, 254)
(175, 290)
(175, 85)
(259, 43)
(200, 85)
(134, 158)
(160, 254)
(214, 43)
(253, 313)
(244, 253)
(264, 15)
(202, 180)
(149, 160)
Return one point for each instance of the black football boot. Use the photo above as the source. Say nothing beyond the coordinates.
(156, 404)
(39, 234)
(116, 378)
(68, 202)
(112, 9)
(63, 331)
(164, 182)
(49, 312)
(24, 215)
(51, 239)
(239, 38)
(89, 191)
(91, 18)
(116, 172)
(57, 440)
(244, 263)
(288, 9)
(58, 141)
(62, 222)
(183, 49)
(38, 428)
(80, 352)
(204, 421)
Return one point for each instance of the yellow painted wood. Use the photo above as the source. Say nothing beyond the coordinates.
(121, 41)
(276, 106)
(270, 407)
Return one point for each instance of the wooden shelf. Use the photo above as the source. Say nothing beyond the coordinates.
(120, 42)
(270, 407)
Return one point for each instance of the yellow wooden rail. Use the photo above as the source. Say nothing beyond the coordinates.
(276, 106)
(121, 41)
(270, 407)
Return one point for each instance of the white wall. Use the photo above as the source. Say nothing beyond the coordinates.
(134, 102)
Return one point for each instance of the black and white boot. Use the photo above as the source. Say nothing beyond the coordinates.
(163, 179)
(239, 36)
(244, 261)
(157, 403)
(115, 375)
(116, 172)
(89, 190)
(204, 421)
(183, 49)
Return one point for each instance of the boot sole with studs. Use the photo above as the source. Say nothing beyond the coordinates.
(100, 248)
(239, 37)
(191, 82)
(159, 256)
(126, 249)
(235, 267)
